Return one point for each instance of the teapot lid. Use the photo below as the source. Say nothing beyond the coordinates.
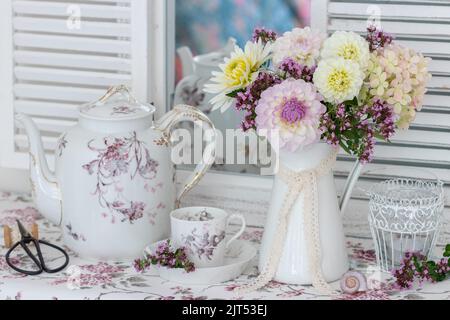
(117, 104)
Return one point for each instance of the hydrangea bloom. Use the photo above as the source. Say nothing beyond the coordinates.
(398, 75)
(302, 45)
(293, 107)
(347, 45)
(338, 80)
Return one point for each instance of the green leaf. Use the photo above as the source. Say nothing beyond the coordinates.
(343, 146)
(431, 263)
(353, 102)
(447, 251)
(379, 136)
(234, 93)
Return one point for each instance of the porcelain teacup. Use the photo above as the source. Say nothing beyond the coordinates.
(201, 230)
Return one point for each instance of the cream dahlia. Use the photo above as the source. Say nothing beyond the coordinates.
(338, 80)
(238, 71)
(293, 108)
(302, 45)
(347, 45)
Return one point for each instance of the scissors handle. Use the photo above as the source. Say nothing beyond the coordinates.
(23, 244)
(44, 267)
(39, 261)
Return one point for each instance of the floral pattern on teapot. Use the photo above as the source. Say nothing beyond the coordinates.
(123, 110)
(117, 157)
(61, 145)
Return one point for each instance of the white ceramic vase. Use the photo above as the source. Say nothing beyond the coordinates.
(294, 263)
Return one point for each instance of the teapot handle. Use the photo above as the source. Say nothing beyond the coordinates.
(188, 113)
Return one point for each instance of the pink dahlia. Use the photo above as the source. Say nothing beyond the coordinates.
(294, 108)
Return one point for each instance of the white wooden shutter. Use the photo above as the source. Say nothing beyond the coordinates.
(50, 65)
(422, 25)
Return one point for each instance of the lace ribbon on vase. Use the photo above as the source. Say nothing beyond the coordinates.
(297, 182)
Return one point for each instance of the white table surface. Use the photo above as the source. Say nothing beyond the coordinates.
(119, 280)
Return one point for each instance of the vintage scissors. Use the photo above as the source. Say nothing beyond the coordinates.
(26, 239)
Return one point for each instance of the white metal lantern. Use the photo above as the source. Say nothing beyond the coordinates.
(404, 216)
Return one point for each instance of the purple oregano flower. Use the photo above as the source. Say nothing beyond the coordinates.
(265, 35)
(377, 38)
(293, 69)
(248, 99)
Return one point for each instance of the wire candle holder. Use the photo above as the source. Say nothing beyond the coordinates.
(405, 216)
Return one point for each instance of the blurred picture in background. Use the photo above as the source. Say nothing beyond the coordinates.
(206, 25)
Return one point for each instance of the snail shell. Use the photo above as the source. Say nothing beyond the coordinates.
(353, 281)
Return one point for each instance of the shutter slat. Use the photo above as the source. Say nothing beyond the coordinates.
(428, 48)
(72, 43)
(382, 171)
(439, 82)
(422, 137)
(406, 153)
(105, 29)
(49, 143)
(81, 61)
(433, 120)
(437, 66)
(71, 76)
(43, 109)
(52, 125)
(73, 94)
(436, 100)
(398, 28)
(391, 11)
(61, 9)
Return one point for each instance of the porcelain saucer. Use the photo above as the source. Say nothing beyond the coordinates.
(237, 258)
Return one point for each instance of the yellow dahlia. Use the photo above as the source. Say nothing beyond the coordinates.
(238, 71)
(338, 80)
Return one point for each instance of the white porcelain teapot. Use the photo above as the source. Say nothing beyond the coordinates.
(114, 182)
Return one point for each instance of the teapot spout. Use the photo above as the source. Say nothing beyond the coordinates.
(349, 185)
(45, 190)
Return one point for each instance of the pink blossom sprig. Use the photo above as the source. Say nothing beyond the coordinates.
(383, 116)
(265, 35)
(292, 69)
(416, 267)
(356, 128)
(248, 99)
(167, 257)
(377, 38)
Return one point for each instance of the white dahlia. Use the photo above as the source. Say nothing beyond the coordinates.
(301, 44)
(338, 80)
(347, 45)
(238, 71)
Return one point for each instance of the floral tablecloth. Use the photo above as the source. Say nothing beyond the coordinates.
(113, 280)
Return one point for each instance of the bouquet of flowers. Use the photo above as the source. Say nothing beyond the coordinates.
(346, 90)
